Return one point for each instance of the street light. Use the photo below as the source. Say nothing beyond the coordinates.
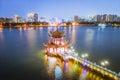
(104, 63)
(71, 47)
(84, 55)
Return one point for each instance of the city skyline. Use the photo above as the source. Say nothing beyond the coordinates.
(60, 9)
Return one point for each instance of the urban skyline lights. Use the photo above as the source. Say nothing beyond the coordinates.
(34, 17)
(59, 8)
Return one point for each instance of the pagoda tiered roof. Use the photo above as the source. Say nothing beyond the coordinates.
(52, 45)
(57, 34)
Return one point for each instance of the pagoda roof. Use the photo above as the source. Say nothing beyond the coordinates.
(52, 45)
(57, 34)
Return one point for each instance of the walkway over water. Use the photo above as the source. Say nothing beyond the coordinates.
(93, 66)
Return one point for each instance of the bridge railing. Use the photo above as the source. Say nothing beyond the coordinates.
(101, 69)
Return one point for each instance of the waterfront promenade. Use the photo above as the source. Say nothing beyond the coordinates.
(95, 67)
(47, 24)
(105, 72)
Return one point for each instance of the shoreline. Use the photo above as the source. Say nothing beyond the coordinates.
(54, 26)
(115, 77)
(46, 24)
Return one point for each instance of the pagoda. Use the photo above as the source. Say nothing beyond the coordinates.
(57, 46)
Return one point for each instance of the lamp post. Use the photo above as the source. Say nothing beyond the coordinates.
(104, 63)
(73, 51)
(84, 55)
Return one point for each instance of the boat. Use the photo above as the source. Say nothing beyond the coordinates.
(102, 25)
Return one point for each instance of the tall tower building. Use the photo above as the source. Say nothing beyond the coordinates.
(104, 18)
(32, 17)
(17, 19)
(98, 18)
(76, 18)
(118, 19)
(108, 18)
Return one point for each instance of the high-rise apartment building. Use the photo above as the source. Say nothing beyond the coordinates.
(17, 19)
(32, 17)
(106, 18)
(76, 18)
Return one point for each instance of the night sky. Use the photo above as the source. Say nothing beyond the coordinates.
(58, 8)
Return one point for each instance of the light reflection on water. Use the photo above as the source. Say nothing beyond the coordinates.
(89, 37)
(58, 73)
(19, 47)
(1, 34)
(60, 70)
(73, 36)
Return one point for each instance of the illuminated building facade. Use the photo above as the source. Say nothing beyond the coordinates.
(32, 17)
(107, 18)
(8, 20)
(57, 45)
(17, 19)
(76, 18)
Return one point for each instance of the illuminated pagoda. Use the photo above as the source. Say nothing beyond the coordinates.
(57, 44)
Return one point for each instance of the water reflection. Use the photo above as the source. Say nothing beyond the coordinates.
(58, 73)
(1, 34)
(89, 37)
(73, 36)
(70, 70)
(31, 37)
(20, 32)
(10, 29)
(1, 29)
